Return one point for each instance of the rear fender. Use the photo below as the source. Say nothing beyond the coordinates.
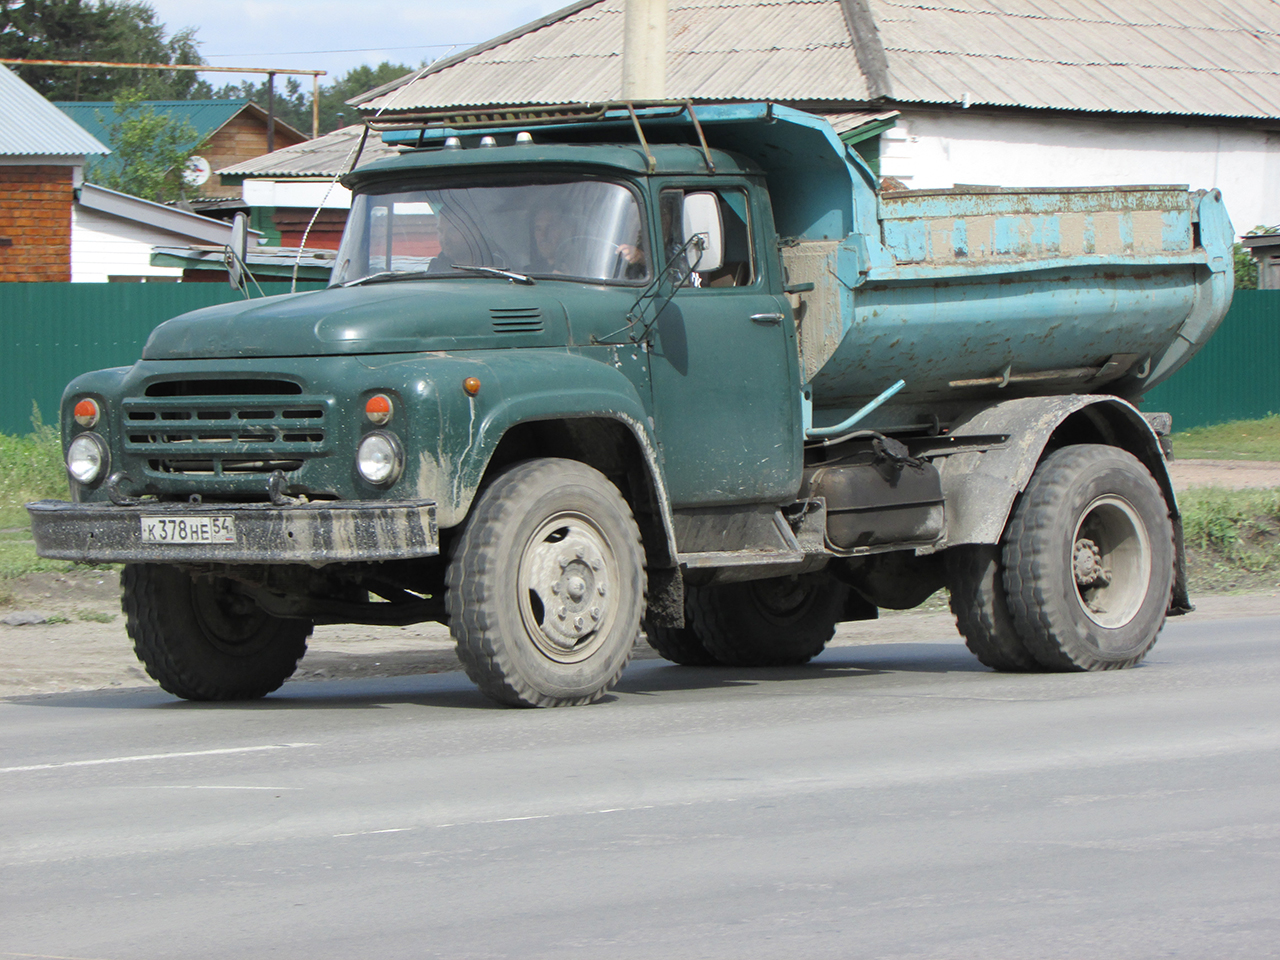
(980, 487)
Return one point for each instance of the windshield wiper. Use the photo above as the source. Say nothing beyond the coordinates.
(496, 272)
(386, 276)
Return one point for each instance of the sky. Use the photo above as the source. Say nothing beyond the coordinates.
(336, 35)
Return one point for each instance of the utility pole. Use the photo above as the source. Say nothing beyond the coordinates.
(644, 50)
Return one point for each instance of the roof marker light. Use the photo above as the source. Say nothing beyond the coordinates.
(452, 143)
(524, 136)
(487, 141)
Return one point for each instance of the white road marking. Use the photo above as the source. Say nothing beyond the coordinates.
(183, 786)
(369, 833)
(155, 756)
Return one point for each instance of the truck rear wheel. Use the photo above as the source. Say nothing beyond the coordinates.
(546, 587)
(1089, 560)
(680, 645)
(781, 621)
(201, 639)
(982, 615)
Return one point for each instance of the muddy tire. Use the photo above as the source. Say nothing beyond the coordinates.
(201, 639)
(1089, 560)
(768, 623)
(680, 645)
(546, 587)
(976, 584)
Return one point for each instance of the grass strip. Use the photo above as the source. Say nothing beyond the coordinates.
(1239, 440)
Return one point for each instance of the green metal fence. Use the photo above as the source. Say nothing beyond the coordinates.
(55, 331)
(52, 332)
(1236, 376)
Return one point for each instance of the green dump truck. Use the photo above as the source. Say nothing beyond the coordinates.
(587, 371)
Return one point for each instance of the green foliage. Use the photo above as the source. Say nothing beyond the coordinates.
(1235, 531)
(293, 98)
(31, 468)
(1239, 440)
(151, 151)
(121, 31)
(1246, 268)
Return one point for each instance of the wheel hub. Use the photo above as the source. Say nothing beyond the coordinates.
(1088, 566)
(565, 583)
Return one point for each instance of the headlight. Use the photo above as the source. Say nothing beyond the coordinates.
(379, 458)
(87, 457)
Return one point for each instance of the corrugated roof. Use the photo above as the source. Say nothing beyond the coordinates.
(32, 126)
(1190, 57)
(206, 117)
(325, 156)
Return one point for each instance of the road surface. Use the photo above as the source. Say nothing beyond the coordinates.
(894, 800)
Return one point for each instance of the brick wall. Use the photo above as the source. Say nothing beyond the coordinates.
(35, 223)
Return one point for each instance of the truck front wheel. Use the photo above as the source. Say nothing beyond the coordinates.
(1089, 560)
(201, 639)
(546, 587)
(768, 623)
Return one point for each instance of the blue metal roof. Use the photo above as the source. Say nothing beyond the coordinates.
(207, 117)
(31, 126)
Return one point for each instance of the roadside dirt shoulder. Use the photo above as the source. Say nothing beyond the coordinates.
(1232, 474)
(82, 645)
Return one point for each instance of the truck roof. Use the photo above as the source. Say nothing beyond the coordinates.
(673, 159)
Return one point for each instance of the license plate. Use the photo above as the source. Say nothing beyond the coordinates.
(188, 530)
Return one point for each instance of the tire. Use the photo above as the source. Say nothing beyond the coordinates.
(546, 587)
(200, 639)
(1089, 560)
(768, 623)
(982, 615)
(680, 645)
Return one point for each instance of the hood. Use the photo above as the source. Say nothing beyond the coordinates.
(403, 317)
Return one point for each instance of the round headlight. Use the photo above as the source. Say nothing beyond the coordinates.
(378, 458)
(87, 457)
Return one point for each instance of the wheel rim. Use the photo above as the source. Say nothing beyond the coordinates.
(231, 621)
(1111, 562)
(566, 587)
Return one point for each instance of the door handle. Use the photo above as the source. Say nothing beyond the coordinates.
(766, 318)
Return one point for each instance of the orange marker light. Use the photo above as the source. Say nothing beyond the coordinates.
(471, 385)
(87, 413)
(378, 408)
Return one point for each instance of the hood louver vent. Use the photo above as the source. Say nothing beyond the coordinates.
(516, 319)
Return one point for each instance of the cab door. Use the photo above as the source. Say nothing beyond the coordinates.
(724, 369)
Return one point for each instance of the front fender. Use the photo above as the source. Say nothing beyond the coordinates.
(521, 388)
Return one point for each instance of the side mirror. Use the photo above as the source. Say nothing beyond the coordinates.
(237, 250)
(703, 225)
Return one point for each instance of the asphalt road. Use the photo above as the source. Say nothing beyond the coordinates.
(888, 801)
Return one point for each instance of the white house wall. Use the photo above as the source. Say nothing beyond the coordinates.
(938, 150)
(104, 246)
(307, 194)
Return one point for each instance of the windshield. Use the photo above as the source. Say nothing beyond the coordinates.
(585, 229)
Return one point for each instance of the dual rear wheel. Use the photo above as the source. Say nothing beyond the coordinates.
(1083, 577)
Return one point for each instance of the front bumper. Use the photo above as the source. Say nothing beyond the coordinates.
(336, 531)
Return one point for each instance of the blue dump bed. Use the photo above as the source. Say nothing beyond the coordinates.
(980, 293)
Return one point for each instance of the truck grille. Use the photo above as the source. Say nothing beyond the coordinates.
(218, 427)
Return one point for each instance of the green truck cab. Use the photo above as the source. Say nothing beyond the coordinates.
(654, 369)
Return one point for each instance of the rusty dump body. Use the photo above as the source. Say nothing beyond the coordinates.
(983, 293)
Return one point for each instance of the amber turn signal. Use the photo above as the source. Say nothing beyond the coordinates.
(471, 385)
(378, 408)
(87, 413)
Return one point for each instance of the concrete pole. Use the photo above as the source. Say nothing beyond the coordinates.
(644, 50)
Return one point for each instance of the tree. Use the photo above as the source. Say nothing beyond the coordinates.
(151, 153)
(124, 31)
